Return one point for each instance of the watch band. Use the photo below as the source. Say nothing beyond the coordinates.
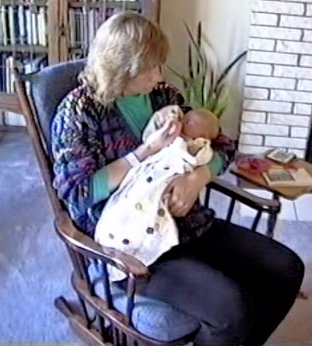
(132, 159)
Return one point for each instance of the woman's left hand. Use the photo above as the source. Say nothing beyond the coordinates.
(184, 190)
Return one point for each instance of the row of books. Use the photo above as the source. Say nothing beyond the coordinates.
(25, 64)
(7, 85)
(83, 23)
(23, 25)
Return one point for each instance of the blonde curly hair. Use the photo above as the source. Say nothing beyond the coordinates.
(125, 45)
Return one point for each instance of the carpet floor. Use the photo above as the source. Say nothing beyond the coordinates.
(34, 267)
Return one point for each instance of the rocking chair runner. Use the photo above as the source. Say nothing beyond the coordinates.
(108, 315)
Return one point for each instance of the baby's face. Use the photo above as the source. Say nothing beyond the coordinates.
(195, 124)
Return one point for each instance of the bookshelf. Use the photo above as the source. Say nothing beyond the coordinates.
(80, 19)
(41, 32)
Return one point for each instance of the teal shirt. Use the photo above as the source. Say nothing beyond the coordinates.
(137, 111)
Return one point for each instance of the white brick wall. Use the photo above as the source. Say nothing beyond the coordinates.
(284, 142)
(252, 149)
(277, 107)
(307, 35)
(278, 7)
(306, 60)
(294, 47)
(254, 117)
(261, 44)
(270, 82)
(299, 132)
(278, 130)
(264, 19)
(295, 22)
(309, 10)
(301, 108)
(305, 85)
(256, 93)
(267, 106)
(247, 139)
(259, 69)
(294, 72)
(293, 96)
(278, 119)
(273, 58)
(277, 33)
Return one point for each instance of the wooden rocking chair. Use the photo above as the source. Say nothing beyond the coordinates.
(106, 314)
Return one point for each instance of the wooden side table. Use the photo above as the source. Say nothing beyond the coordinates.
(290, 193)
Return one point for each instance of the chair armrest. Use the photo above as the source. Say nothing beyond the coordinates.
(87, 246)
(236, 193)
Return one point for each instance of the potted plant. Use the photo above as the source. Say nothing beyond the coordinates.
(203, 86)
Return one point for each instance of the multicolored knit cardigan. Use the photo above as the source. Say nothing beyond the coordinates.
(87, 136)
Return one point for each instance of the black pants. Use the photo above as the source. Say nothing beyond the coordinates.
(239, 284)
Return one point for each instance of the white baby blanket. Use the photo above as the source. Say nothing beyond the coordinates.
(136, 219)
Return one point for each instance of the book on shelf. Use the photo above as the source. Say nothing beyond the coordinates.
(23, 25)
(288, 177)
(10, 117)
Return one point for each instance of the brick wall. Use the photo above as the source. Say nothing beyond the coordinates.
(278, 84)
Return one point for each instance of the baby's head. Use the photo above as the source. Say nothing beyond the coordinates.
(200, 123)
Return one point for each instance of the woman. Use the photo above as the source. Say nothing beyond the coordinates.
(240, 285)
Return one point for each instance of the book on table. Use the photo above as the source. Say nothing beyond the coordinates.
(288, 177)
(280, 156)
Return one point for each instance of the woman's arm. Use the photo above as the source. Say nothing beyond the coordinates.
(106, 179)
(82, 176)
(77, 152)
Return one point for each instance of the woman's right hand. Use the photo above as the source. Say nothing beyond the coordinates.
(164, 136)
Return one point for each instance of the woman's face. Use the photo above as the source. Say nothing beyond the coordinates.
(144, 82)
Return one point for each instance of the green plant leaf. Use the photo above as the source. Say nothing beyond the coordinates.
(199, 52)
(190, 61)
(199, 37)
(229, 67)
(203, 86)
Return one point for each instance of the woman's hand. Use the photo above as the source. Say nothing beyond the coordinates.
(184, 190)
(164, 136)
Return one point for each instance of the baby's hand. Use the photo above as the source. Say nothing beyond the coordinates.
(172, 112)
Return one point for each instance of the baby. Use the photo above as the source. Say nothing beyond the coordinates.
(136, 218)
(198, 126)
